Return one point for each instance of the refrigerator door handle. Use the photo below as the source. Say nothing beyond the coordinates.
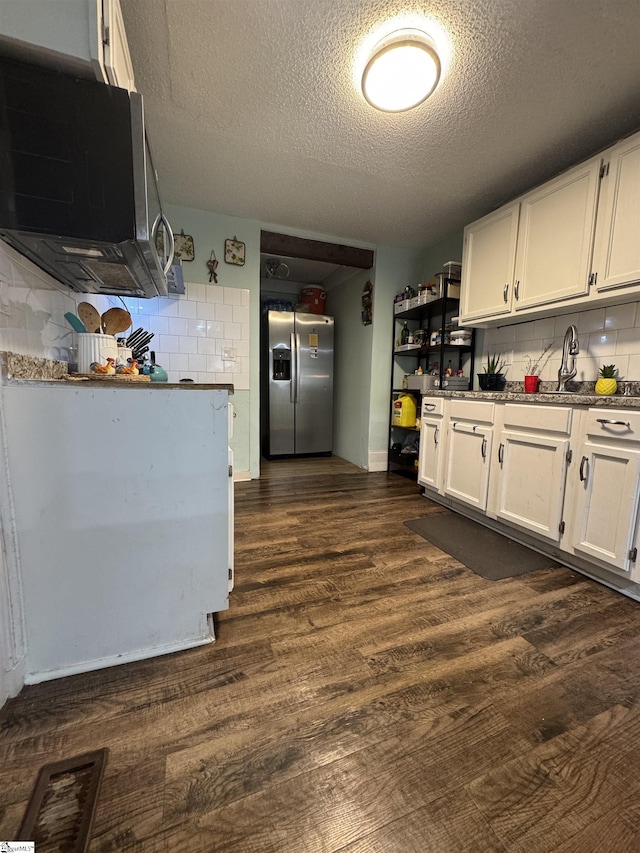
(297, 374)
(294, 368)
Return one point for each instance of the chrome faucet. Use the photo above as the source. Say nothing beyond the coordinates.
(570, 348)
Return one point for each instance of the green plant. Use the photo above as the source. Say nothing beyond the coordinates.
(534, 366)
(608, 371)
(495, 363)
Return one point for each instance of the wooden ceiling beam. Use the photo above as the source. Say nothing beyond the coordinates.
(315, 250)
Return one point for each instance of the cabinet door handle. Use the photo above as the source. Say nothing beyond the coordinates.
(501, 453)
(505, 292)
(605, 421)
(483, 449)
(517, 290)
(428, 406)
(435, 436)
(584, 461)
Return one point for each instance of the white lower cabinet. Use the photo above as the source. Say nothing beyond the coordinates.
(432, 442)
(532, 478)
(530, 467)
(566, 477)
(469, 445)
(607, 491)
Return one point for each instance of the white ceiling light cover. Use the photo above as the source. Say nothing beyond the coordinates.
(402, 72)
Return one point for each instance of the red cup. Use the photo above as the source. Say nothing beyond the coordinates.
(531, 384)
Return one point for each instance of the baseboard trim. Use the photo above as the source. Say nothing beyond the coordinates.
(378, 461)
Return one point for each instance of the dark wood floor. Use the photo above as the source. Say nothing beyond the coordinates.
(367, 694)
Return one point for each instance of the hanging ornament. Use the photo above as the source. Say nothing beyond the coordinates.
(212, 265)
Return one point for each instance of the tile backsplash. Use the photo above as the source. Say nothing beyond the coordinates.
(606, 336)
(202, 335)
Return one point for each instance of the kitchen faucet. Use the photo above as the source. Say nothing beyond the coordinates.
(570, 348)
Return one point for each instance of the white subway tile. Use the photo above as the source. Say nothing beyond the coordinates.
(601, 345)
(215, 294)
(206, 311)
(224, 378)
(224, 313)
(634, 368)
(622, 363)
(167, 307)
(232, 296)
(159, 325)
(241, 382)
(173, 376)
(187, 309)
(242, 348)
(246, 297)
(245, 331)
(233, 331)
(168, 343)
(196, 292)
(197, 328)
(544, 328)
(214, 363)
(562, 323)
(241, 314)
(206, 346)
(628, 342)
(206, 378)
(197, 362)
(215, 329)
(590, 321)
(188, 344)
(620, 317)
(179, 361)
(178, 326)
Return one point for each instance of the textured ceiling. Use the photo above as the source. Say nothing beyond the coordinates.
(253, 110)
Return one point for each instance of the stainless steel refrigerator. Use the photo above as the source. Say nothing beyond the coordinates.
(297, 374)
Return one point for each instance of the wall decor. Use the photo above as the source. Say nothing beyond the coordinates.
(184, 248)
(212, 266)
(234, 251)
(367, 304)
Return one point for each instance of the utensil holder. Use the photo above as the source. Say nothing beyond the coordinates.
(92, 347)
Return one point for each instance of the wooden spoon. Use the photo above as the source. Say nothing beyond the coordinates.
(115, 320)
(90, 316)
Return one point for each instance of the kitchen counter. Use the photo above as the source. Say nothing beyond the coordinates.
(32, 370)
(514, 393)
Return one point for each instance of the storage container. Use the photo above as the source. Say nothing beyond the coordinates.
(95, 348)
(404, 411)
(421, 383)
(313, 299)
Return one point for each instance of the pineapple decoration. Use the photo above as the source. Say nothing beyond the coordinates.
(607, 383)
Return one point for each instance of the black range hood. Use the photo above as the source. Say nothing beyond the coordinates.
(78, 193)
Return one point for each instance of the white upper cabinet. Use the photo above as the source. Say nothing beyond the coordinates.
(575, 246)
(616, 260)
(534, 252)
(555, 238)
(488, 264)
(83, 36)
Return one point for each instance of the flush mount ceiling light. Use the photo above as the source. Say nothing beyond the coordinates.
(402, 72)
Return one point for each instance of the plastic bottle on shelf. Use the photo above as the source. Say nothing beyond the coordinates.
(449, 369)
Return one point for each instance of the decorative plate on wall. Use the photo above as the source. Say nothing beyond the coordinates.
(184, 248)
(234, 252)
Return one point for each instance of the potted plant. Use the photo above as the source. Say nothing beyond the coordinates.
(533, 369)
(607, 383)
(493, 379)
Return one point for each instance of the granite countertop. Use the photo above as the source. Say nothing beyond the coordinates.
(26, 369)
(581, 394)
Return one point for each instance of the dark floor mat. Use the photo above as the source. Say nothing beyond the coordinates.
(60, 813)
(486, 552)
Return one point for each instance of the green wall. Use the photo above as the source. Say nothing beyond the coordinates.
(352, 370)
(364, 353)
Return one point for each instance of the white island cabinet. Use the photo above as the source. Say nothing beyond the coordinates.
(122, 506)
(81, 36)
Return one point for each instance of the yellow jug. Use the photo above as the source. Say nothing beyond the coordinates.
(404, 411)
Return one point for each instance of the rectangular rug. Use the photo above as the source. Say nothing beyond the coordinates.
(487, 553)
